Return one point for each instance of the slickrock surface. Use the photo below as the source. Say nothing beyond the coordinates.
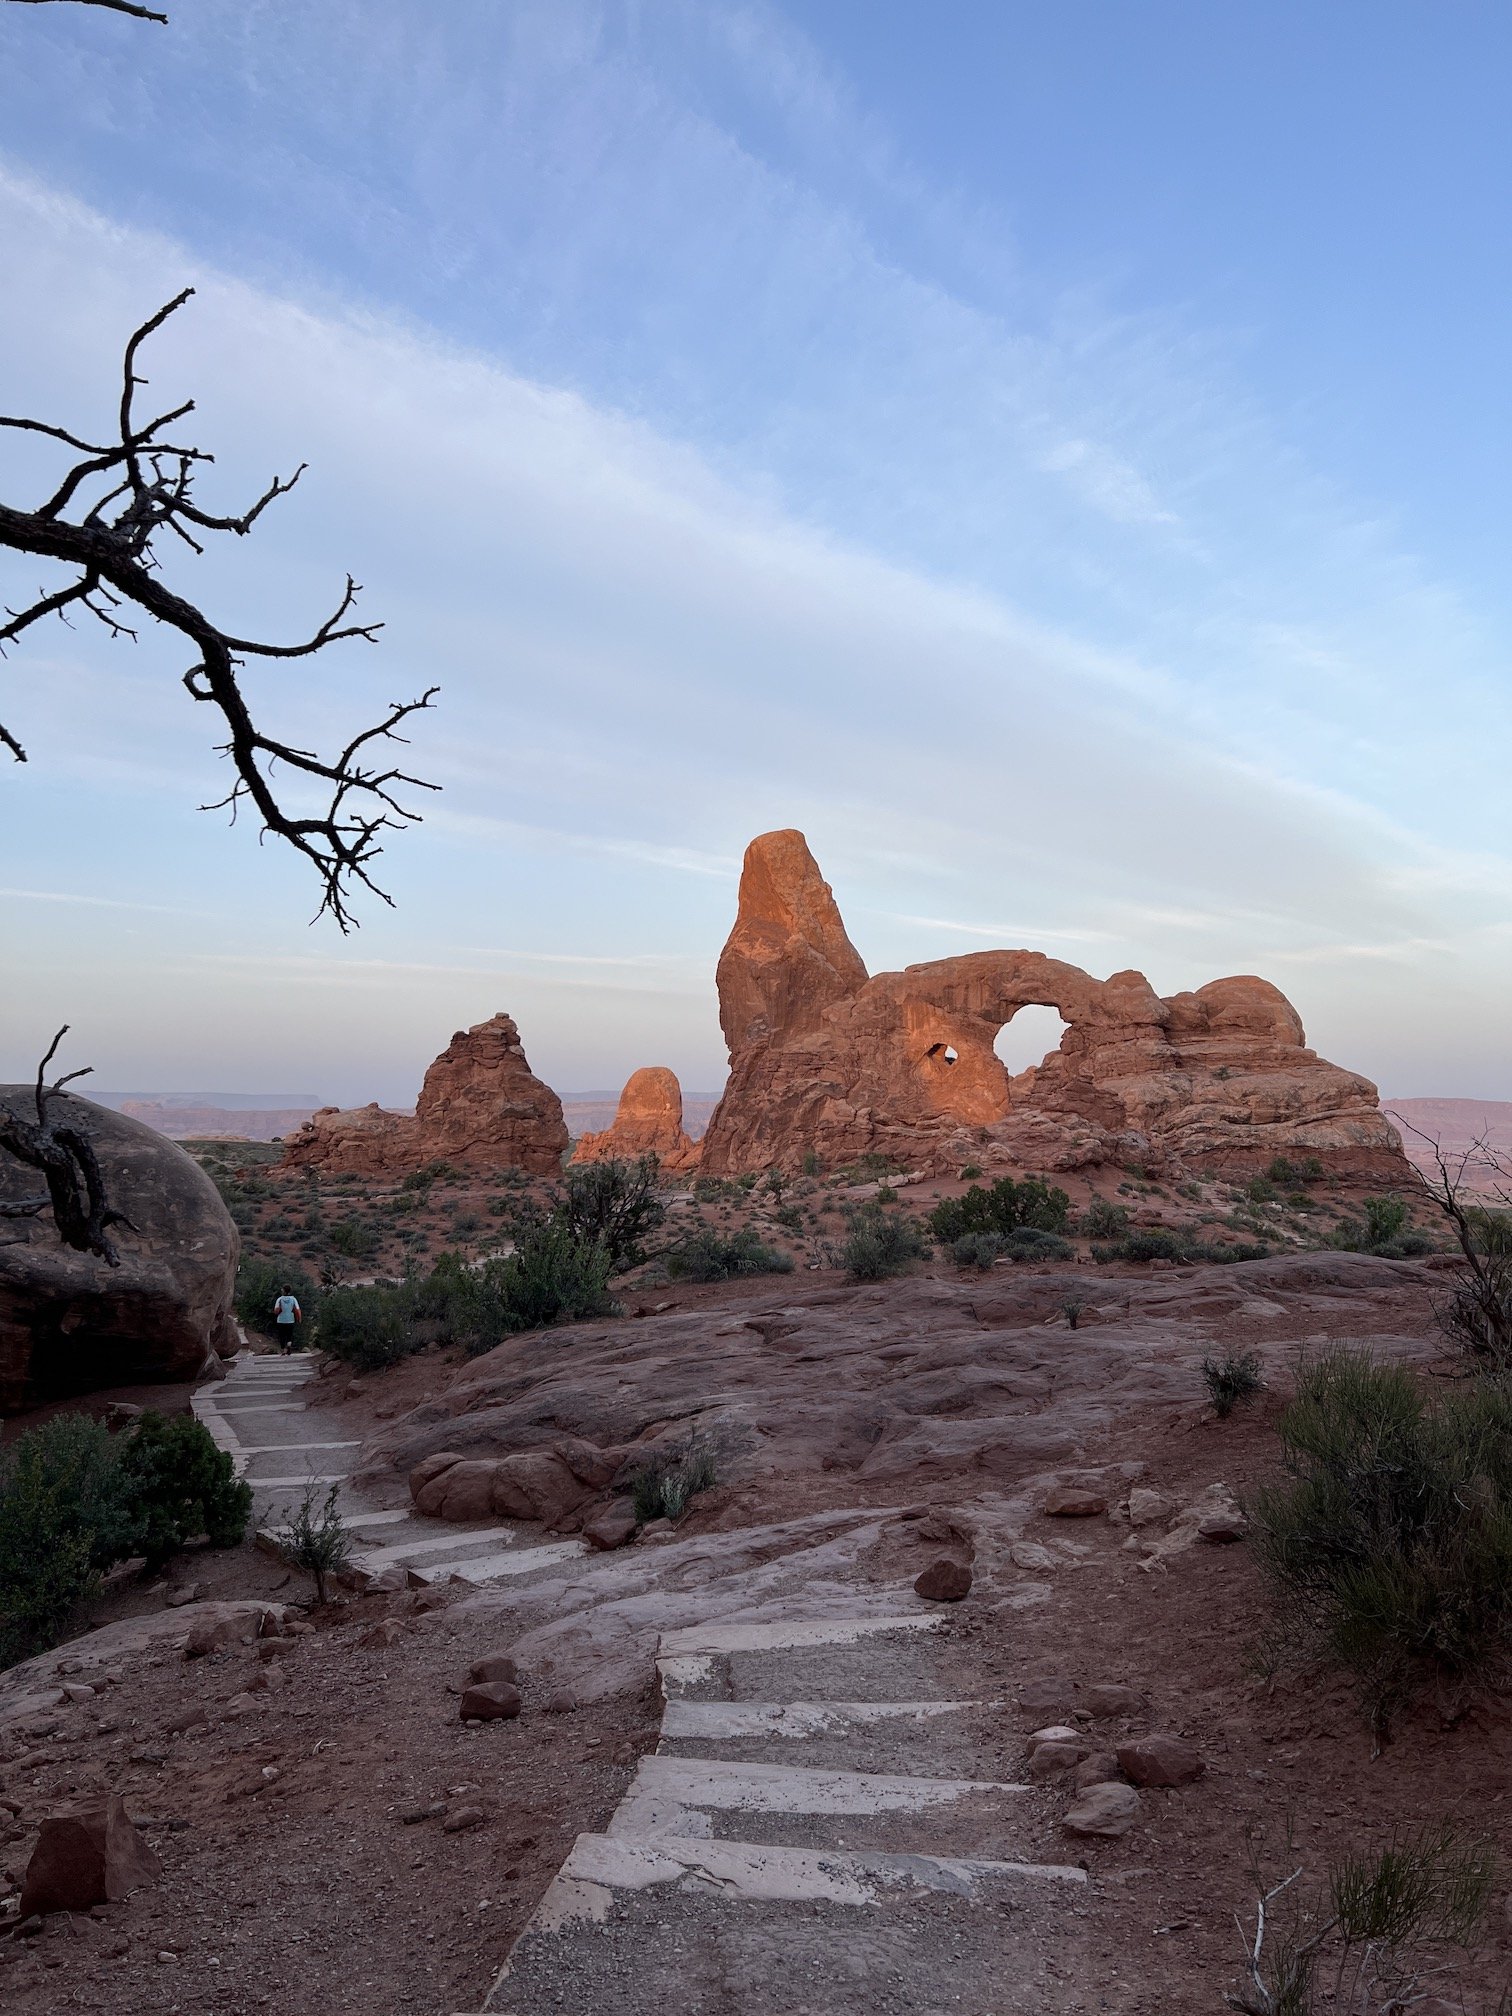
(648, 1121)
(69, 1322)
(481, 1107)
(824, 1060)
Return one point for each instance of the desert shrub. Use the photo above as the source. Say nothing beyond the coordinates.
(367, 1327)
(1029, 1242)
(978, 1249)
(613, 1205)
(1261, 1190)
(1232, 1380)
(1072, 1309)
(316, 1539)
(1004, 1207)
(706, 1256)
(880, 1243)
(971, 1171)
(349, 1236)
(1383, 1231)
(553, 1276)
(664, 1483)
(812, 1166)
(63, 1518)
(1103, 1219)
(176, 1485)
(1358, 1943)
(1160, 1244)
(259, 1281)
(1289, 1175)
(1388, 1537)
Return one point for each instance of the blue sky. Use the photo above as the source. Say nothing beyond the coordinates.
(1056, 457)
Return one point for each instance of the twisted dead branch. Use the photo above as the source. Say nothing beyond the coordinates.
(64, 1155)
(101, 521)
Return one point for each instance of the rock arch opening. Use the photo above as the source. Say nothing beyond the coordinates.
(1028, 1038)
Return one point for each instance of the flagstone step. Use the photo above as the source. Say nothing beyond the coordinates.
(732, 1928)
(942, 1738)
(803, 1659)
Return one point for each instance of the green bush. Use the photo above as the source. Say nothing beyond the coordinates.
(551, 1277)
(349, 1236)
(613, 1205)
(366, 1327)
(1103, 1219)
(978, 1249)
(63, 1518)
(177, 1485)
(75, 1500)
(259, 1281)
(706, 1256)
(665, 1482)
(1383, 1231)
(1160, 1244)
(1003, 1208)
(881, 1243)
(1388, 1538)
(1232, 1381)
(1289, 1175)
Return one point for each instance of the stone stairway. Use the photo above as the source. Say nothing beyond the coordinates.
(809, 1836)
(282, 1441)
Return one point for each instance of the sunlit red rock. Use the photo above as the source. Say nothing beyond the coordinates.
(649, 1121)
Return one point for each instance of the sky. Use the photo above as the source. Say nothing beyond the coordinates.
(1056, 457)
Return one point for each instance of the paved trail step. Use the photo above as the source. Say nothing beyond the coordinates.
(752, 1885)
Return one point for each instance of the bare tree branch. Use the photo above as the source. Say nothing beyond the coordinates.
(111, 6)
(101, 521)
(65, 1156)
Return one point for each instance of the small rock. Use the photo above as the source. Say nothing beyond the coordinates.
(1074, 1501)
(1099, 1767)
(390, 1581)
(274, 1648)
(413, 1815)
(1048, 1760)
(187, 1592)
(613, 1527)
(90, 1855)
(497, 1666)
(1159, 1760)
(429, 1599)
(1055, 1732)
(1103, 1812)
(1029, 1554)
(388, 1631)
(1110, 1697)
(76, 1692)
(944, 1581)
(1147, 1508)
(491, 1701)
(464, 1818)
(562, 1702)
(1224, 1524)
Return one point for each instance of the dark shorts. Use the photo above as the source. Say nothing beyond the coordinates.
(285, 1335)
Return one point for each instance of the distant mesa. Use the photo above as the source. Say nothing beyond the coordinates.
(647, 1121)
(481, 1108)
(829, 1062)
(184, 1120)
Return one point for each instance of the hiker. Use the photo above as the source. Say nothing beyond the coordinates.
(286, 1314)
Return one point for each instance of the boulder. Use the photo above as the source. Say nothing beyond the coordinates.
(1074, 1501)
(490, 1701)
(1160, 1760)
(614, 1526)
(481, 1108)
(944, 1581)
(545, 1485)
(220, 1624)
(1110, 1697)
(647, 1121)
(1103, 1812)
(69, 1323)
(495, 1666)
(825, 1060)
(91, 1854)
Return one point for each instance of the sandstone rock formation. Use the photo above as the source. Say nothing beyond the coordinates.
(68, 1322)
(648, 1121)
(481, 1107)
(825, 1060)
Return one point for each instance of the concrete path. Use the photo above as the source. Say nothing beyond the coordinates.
(745, 1875)
(268, 1418)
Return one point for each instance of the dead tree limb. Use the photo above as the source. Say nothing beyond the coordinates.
(111, 6)
(1478, 1313)
(101, 521)
(64, 1155)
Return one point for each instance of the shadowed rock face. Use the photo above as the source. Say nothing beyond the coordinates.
(825, 1060)
(481, 1107)
(648, 1121)
(69, 1323)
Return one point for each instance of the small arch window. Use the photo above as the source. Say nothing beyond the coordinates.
(945, 1052)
